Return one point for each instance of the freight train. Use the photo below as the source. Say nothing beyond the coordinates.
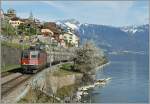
(35, 58)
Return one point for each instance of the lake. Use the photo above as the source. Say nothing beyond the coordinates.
(129, 83)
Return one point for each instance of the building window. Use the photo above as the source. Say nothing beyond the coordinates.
(65, 37)
(70, 37)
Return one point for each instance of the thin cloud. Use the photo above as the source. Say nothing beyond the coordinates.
(12, 2)
(100, 12)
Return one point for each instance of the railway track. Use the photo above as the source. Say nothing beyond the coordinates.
(7, 73)
(10, 85)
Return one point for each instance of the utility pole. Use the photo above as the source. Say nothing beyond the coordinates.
(30, 34)
(50, 51)
(7, 28)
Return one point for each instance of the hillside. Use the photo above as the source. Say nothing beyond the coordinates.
(117, 39)
(128, 38)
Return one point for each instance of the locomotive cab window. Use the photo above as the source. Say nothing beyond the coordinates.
(25, 55)
(34, 54)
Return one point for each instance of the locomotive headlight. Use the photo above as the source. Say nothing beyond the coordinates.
(24, 63)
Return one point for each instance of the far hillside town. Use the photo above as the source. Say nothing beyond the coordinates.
(31, 30)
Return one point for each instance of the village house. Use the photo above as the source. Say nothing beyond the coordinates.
(50, 27)
(70, 38)
(46, 35)
(16, 21)
(11, 13)
(47, 32)
(75, 40)
(62, 41)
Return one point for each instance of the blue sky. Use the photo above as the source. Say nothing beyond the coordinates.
(114, 13)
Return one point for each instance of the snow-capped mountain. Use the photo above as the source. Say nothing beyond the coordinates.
(70, 23)
(117, 39)
(135, 28)
(133, 38)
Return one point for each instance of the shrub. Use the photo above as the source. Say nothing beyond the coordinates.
(67, 66)
(87, 58)
(14, 45)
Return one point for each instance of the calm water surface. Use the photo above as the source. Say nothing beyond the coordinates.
(129, 83)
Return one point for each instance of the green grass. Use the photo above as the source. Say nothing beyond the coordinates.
(14, 45)
(9, 67)
(66, 91)
(65, 69)
(62, 72)
(67, 66)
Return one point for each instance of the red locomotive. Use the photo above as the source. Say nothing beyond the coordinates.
(36, 58)
(33, 59)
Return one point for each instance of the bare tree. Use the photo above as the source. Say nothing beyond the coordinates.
(87, 58)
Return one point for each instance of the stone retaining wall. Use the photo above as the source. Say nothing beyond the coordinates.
(10, 56)
(49, 83)
(46, 82)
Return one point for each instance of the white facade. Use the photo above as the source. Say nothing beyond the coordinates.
(47, 31)
(71, 38)
(75, 40)
(15, 23)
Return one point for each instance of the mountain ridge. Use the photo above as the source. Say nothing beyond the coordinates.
(110, 38)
